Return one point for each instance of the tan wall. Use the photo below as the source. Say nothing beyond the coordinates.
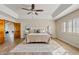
(71, 38)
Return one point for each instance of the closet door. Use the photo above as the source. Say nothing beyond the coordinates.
(17, 33)
(2, 30)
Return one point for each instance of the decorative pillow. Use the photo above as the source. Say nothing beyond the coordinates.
(36, 30)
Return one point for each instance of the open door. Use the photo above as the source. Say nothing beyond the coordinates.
(17, 32)
(2, 31)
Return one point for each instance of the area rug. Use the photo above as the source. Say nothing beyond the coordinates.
(53, 48)
(34, 48)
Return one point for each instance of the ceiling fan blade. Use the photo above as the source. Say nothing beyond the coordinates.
(39, 10)
(26, 9)
(36, 13)
(33, 6)
(29, 13)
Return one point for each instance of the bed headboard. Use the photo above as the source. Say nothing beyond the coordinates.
(39, 29)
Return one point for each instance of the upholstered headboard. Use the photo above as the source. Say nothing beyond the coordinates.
(38, 29)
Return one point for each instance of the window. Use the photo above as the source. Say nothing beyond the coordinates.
(74, 25)
(77, 25)
(69, 26)
(64, 26)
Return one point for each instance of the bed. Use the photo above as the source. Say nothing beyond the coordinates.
(38, 37)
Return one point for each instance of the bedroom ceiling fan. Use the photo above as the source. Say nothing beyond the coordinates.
(33, 10)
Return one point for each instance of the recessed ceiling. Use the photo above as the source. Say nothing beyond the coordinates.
(46, 14)
(50, 10)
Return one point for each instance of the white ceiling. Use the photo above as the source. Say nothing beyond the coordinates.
(46, 14)
(67, 11)
(8, 11)
(51, 11)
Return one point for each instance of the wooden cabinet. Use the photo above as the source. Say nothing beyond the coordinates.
(17, 33)
(2, 30)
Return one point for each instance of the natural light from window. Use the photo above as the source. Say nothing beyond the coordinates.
(71, 26)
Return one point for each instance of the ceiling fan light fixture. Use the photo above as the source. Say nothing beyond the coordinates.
(33, 10)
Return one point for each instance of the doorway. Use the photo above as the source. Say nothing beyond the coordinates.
(9, 31)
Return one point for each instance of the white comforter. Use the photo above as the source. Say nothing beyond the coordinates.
(38, 37)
